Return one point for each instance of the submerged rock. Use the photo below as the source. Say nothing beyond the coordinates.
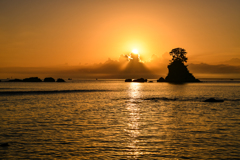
(60, 80)
(49, 79)
(178, 73)
(4, 144)
(32, 79)
(213, 100)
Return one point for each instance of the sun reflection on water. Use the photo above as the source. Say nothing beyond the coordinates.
(134, 117)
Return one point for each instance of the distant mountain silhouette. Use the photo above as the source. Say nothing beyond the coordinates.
(233, 61)
(36, 79)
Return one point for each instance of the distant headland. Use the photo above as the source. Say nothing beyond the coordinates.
(36, 79)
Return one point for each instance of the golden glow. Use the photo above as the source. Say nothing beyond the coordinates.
(135, 51)
(115, 28)
(132, 128)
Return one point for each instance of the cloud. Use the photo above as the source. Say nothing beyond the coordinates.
(126, 66)
(233, 61)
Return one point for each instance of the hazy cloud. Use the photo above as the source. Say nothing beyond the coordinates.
(213, 69)
(233, 61)
(124, 67)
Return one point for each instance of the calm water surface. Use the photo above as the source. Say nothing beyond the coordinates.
(118, 120)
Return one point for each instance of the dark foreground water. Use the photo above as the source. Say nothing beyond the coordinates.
(118, 120)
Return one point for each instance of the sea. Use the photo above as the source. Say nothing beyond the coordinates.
(113, 119)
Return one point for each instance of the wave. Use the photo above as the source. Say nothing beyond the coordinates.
(196, 99)
(47, 92)
(156, 99)
(202, 99)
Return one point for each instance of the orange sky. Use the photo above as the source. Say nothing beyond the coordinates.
(50, 33)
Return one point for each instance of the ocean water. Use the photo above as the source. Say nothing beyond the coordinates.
(111, 119)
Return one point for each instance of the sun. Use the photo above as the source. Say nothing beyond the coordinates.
(135, 51)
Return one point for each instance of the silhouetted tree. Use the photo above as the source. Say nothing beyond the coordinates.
(178, 54)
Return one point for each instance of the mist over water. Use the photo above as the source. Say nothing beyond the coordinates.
(111, 119)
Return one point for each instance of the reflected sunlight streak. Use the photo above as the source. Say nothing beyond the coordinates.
(134, 118)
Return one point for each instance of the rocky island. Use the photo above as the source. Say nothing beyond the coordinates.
(49, 79)
(32, 79)
(177, 71)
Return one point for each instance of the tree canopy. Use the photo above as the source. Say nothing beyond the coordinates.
(178, 54)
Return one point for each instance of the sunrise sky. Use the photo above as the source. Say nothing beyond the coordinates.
(51, 33)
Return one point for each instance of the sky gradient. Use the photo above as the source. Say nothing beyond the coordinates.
(58, 33)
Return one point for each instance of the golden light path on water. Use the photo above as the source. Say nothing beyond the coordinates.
(138, 121)
(134, 117)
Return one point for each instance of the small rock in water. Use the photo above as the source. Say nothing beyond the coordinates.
(60, 80)
(4, 145)
(161, 79)
(213, 100)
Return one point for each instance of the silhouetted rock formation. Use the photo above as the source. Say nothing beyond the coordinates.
(49, 79)
(161, 79)
(60, 80)
(136, 80)
(178, 73)
(140, 80)
(128, 80)
(213, 100)
(32, 79)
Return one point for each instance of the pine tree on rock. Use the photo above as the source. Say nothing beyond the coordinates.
(179, 54)
(177, 71)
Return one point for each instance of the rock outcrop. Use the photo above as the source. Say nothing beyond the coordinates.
(128, 80)
(213, 100)
(178, 73)
(140, 80)
(136, 80)
(49, 79)
(60, 80)
(161, 79)
(32, 79)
